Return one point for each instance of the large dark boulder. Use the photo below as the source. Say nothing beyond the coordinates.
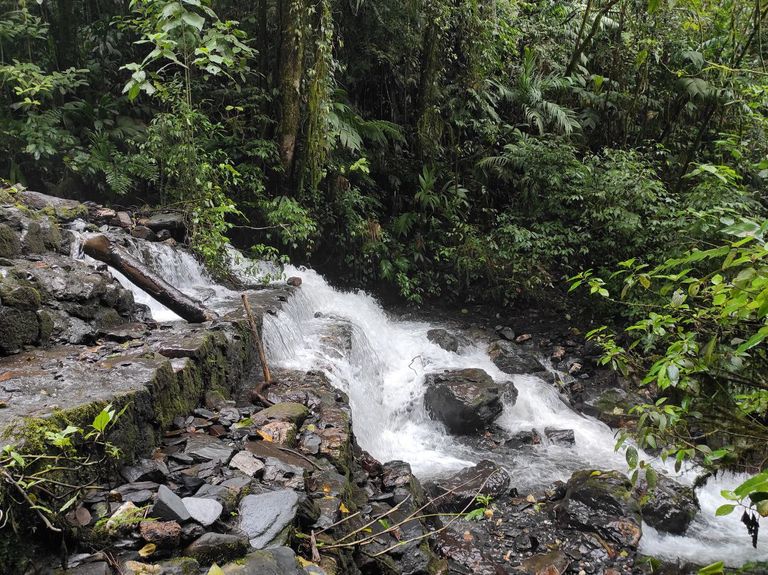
(602, 502)
(454, 493)
(512, 358)
(464, 400)
(669, 506)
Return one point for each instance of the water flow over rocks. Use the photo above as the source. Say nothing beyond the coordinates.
(238, 484)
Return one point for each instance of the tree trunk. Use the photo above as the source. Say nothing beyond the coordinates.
(100, 247)
(291, 70)
(427, 77)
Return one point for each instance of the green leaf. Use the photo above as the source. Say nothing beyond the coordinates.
(653, 5)
(194, 20)
(631, 456)
(651, 477)
(726, 509)
(102, 420)
(713, 569)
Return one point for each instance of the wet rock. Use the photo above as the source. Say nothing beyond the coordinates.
(294, 281)
(279, 472)
(602, 502)
(172, 221)
(395, 474)
(180, 566)
(464, 400)
(10, 246)
(513, 359)
(217, 548)
(164, 534)
(287, 411)
(444, 339)
(459, 490)
(191, 531)
(266, 518)
(506, 332)
(562, 437)
(247, 463)
(145, 470)
(139, 568)
(169, 506)
(611, 406)
(62, 208)
(20, 328)
(460, 547)
(203, 510)
(123, 220)
(164, 235)
(554, 562)
(207, 448)
(669, 507)
(143, 233)
(227, 496)
(280, 432)
(140, 492)
(277, 561)
(523, 439)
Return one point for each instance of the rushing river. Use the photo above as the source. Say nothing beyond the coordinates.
(383, 375)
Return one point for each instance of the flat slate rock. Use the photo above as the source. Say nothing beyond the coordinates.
(169, 506)
(145, 470)
(216, 548)
(263, 518)
(277, 561)
(207, 448)
(246, 462)
(203, 510)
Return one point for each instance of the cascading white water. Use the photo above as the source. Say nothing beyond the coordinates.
(383, 374)
(384, 378)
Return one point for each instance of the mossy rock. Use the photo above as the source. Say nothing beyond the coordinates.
(20, 328)
(19, 295)
(10, 245)
(288, 411)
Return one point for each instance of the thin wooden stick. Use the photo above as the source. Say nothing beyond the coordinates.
(258, 391)
(443, 528)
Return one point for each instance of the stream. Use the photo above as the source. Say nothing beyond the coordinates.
(383, 374)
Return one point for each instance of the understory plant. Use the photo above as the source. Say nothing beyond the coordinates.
(43, 478)
(699, 345)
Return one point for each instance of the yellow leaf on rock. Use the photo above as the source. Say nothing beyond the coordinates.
(265, 436)
(147, 550)
(343, 508)
(215, 570)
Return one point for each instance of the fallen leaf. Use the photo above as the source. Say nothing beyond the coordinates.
(265, 436)
(83, 516)
(215, 570)
(147, 550)
(343, 508)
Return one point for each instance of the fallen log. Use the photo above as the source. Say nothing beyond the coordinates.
(100, 247)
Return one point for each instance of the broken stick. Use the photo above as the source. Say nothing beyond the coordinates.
(258, 390)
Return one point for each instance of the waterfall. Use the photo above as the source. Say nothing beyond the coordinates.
(383, 373)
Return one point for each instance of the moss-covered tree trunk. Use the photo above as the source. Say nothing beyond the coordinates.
(291, 69)
(427, 77)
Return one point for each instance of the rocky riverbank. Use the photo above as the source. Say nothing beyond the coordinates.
(209, 473)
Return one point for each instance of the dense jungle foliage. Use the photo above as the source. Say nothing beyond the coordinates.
(459, 149)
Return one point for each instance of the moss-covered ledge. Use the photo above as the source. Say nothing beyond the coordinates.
(160, 374)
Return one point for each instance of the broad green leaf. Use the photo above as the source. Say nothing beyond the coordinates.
(194, 20)
(726, 509)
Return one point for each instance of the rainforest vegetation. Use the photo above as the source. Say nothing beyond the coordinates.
(461, 150)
